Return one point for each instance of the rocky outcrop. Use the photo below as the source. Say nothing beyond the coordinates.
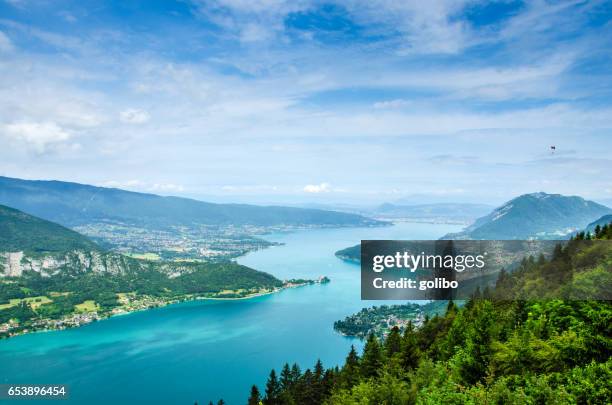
(14, 264)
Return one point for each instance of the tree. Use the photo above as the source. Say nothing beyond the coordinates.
(296, 373)
(255, 397)
(318, 370)
(451, 308)
(393, 342)
(372, 359)
(317, 382)
(286, 377)
(351, 371)
(410, 354)
(273, 390)
(473, 359)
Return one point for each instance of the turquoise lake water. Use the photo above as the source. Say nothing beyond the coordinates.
(206, 350)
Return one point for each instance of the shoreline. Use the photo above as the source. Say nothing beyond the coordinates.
(95, 317)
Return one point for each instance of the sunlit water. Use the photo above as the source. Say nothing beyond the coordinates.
(206, 350)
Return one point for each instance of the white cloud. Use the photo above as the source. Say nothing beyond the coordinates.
(134, 116)
(123, 184)
(317, 188)
(237, 16)
(255, 33)
(140, 185)
(36, 134)
(391, 104)
(5, 43)
(426, 27)
(166, 187)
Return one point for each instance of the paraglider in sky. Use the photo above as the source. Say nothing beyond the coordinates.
(552, 149)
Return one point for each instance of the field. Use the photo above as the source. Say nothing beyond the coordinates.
(34, 302)
(145, 256)
(87, 306)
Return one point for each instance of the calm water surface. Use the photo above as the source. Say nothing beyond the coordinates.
(208, 350)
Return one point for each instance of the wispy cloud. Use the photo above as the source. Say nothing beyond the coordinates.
(236, 93)
(317, 188)
(37, 135)
(134, 116)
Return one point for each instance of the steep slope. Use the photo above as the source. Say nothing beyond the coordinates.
(22, 232)
(73, 204)
(48, 272)
(605, 220)
(535, 216)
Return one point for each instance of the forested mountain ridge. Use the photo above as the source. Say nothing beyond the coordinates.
(489, 351)
(22, 232)
(73, 204)
(606, 219)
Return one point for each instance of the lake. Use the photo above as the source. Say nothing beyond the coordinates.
(206, 350)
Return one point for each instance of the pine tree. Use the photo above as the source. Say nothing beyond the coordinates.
(372, 359)
(318, 370)
(410, 353)
(255, 397)
(285, 377)
(296, 373)
(317, 382)
(308, 387)
(272, 390)
(350, 373)
(393, 342)
(328, 382)
(221, 402)
(477, 349)
(451, 308)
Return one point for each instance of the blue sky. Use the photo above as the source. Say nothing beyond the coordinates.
(306, 101)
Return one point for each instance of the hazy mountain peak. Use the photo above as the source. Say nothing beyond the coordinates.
(535, 216)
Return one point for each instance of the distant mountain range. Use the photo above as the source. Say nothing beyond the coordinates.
(529, 216)
(447, 212)
(535, 216)
(73, 204)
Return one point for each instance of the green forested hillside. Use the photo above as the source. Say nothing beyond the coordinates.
(531, 351)
(22, 232)
(58, 273)
(34, 301)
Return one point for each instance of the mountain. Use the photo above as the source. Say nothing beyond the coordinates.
(50, 273)
(22, 232)
(73, 204)
(605, 220)
(535, 216)
(441, 212)
(31, 244)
